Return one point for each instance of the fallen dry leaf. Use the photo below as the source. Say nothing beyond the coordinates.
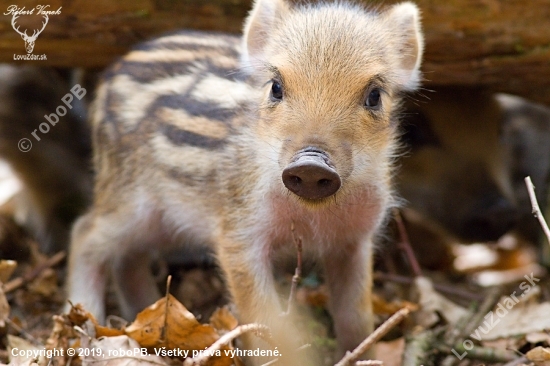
(18, 358)
(60, 334)
(516, 321)
(539, 355)
(6, 269)
(495, 278)
(61, 338)
(538, 337)
(432, 303)
(381, 306)
(101, 331)
(167, 323)
(78, 315)
(223, 321)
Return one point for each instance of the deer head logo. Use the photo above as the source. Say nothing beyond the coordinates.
(29, 40)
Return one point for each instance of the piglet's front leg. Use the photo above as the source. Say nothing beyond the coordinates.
(349, 279)
(249, 275)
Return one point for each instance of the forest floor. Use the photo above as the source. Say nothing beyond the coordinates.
(480, 304)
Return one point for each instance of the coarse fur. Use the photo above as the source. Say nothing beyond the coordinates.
(189, 150)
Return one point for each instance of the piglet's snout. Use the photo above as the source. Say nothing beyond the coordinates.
(311, 175)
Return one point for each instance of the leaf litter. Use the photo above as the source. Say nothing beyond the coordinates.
(31, 297)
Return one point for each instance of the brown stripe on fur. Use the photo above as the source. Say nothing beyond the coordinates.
(181, 137)
(195, 124)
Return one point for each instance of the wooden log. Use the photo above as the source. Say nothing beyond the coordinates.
(502, 44)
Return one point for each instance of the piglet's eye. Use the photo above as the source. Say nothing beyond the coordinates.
(373, 99)
(276, 91)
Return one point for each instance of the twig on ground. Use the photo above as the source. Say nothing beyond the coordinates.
(381, 331)
(439, 287)
(21, 281)
(517, 361)
(272, 362)
(24, 333)
(165, 327)
(298, 272)
(470, 323)
(259, 330)
(536, 209)
(452, 335)
(485, 354)
(369, 363)
(487, 305)
(405, 243)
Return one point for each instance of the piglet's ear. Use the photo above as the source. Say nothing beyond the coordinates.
(404, 18)
(263, 18)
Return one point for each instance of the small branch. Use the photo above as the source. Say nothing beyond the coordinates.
(272, 362)
(381, 331)
(369, 363)
(405, 244)
(259, 330)
(486, 354)
(21, 281)
(487, 305)
(536, 209)
(124, 360)
(380, 276)
(452, 334)
(297, 274)
(517, 362)
(167, 297)
(168, 284)
(471, 322)
(24, 333)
